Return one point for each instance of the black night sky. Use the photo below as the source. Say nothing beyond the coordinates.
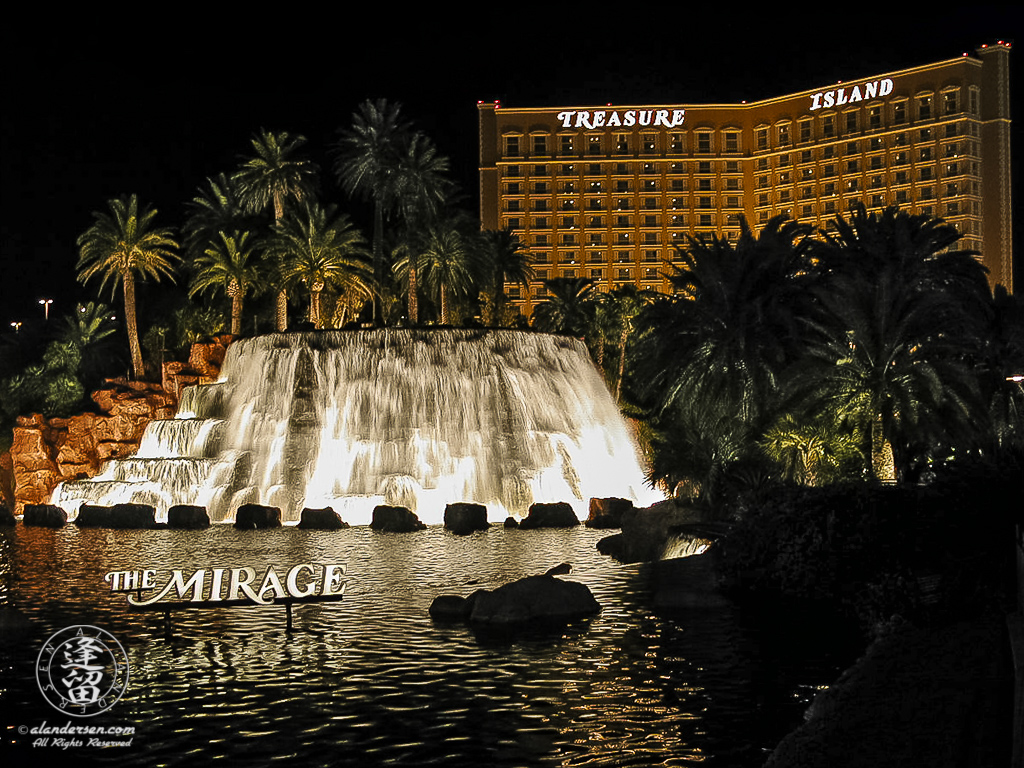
(156, 111)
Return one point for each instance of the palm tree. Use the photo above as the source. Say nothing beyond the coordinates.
(229, 264)
(275, 176)
(900, 320)
(449, 267)
(122, 247)
(710, 357)
(509, 262)
(217, 207)
(319, 247)
(368, 157)
(568, 307)
(623, 305)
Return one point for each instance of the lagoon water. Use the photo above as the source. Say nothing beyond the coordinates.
(372, 680)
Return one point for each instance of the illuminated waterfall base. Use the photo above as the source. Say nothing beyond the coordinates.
(352, 419)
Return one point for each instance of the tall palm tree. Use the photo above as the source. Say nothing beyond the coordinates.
(319, 247)
(568, 307)
(900, 320)
(217, 207)
(508, 262)
(273, 177)
(624, 305)
(367, 159)
(229, 264)
(449, 267)
(711, 356)
(122, 247)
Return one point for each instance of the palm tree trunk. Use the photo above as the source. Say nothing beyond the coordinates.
(414, 301)
(378, 259)
(131, 324)
(314, 308)
(235, 291)
(883, 464)
(622, 364)
(444, 304)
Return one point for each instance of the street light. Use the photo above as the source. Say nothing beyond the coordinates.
(16, 326)
(46, 308)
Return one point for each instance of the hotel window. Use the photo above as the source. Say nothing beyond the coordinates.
(828, 126)
(926, 193)
(594, 145)
(853, 166)
(623, 257)
(650, 255)
(567, 147)
(650, 221)
(732, 141)
(924, 107)
(622, 143)
(975, 99)
(852, 185)
(596, 274)
(540, 170)
(647, 168)
(703, 185)
(704, 220)
(733, 185)
(540, 240)
(513, 223)
(649, 142)
(926, 174)
(513, 171)
(541, 222)
(651, 203)
(761, 135)
(951, 130)
(704, 166)
(513, 188)
(899, 140)
(805, 130)
(622, 186)
(540, 145)
(851, 121)
(512, 146)
(875, 117)
(568, 222)
(950, 102)
(704, 143)
(675, 142)
(732, 166)
(784, 135)
(899, 113)
(622, 221)
(540, 187)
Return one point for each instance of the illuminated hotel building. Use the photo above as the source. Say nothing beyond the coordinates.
(607, 192)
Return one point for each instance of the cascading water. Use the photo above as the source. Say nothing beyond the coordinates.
(352, 419)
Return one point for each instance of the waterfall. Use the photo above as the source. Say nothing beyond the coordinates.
(352, 419)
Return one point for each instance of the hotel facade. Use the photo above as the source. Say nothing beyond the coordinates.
(608, 192)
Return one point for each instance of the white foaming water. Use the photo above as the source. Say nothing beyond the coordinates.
(352, 419)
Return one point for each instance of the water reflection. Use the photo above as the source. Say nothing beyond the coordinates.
(372, 680)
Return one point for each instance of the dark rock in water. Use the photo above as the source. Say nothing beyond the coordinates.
(556, 515)
(188, 517)
(462, 518)
(687, 583)
(132, 516)
(249, 516)
(93, 516)
(647, 531)
(534, 599)
(6, 516)
(395, 520)
(607, 513)
(511, 522)
(450, 608)
(325, 519)
(45, 515)
(563, 569)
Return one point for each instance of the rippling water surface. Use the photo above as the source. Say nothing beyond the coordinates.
(372, 680)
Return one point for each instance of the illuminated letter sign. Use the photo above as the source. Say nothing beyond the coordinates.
(603, 118)
(305, 581)
(851, 95)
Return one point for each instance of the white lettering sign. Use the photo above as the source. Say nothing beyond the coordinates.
(302, 581)
(851, 94)
(603, 118)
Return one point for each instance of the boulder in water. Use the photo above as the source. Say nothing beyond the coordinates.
(556, 515)
(647, 531)
(395, 520)
(463, 518)
(93, 516)
(257, 516)
(325, 519)
(188, 517)
(532, 600)
(132, 516)
(45, 515)
(607, 513)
